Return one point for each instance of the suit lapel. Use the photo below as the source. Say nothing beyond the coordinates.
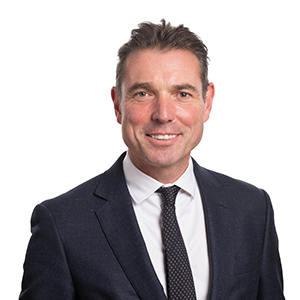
(220, 231)
(119, 224)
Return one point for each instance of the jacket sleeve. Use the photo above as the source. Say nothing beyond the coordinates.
(271, 279)
(46, 273)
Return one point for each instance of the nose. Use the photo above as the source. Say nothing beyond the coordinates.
(164, 109)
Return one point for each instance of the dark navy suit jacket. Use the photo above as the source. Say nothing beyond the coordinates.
(86, 244)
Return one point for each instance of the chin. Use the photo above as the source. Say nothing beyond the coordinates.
(166, 160)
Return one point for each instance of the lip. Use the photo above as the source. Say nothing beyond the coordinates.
(165, 139)
(165, 136)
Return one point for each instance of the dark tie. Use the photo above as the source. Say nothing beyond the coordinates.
(180, 284)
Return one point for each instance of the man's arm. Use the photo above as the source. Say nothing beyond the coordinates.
(46, 272)
(271, 280)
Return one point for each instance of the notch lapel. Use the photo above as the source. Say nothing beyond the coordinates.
(119, 224)
(220, 231)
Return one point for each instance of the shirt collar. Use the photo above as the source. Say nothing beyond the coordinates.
(141, 186)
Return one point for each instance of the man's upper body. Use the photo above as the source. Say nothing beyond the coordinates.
(87, 244)
(95, 242)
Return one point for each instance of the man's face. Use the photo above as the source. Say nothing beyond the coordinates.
(162, 109)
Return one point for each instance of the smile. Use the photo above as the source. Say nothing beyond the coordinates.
(162, 136)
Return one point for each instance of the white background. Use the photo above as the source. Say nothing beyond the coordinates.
(58, 129)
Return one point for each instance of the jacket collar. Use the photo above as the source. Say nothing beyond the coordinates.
(123, 235)
(127, 243)
(220, 230)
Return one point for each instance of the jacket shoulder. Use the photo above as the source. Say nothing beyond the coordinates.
(233, 190)
(88, 193)
(230, 182)
(78, 196)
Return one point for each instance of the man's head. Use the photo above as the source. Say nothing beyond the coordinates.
(161, 104)
(163, 37)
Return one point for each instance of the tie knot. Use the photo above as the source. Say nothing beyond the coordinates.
(169, 194)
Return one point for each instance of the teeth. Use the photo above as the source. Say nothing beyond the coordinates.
(163, 137)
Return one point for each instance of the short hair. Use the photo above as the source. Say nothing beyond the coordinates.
(163, 37)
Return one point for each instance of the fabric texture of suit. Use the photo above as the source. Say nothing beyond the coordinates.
(86, 244)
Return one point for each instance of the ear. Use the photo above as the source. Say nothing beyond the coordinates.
(210, 93)
(117, 106)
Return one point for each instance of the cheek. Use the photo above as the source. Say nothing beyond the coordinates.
(132, 123)
(193, 117)
(135, 116)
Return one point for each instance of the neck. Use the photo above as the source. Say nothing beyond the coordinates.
(163, 173)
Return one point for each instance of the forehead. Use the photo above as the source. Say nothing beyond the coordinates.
(152, 64)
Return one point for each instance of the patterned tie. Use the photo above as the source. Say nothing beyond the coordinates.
(180, 284)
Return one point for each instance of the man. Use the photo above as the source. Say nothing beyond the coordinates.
(117, 235)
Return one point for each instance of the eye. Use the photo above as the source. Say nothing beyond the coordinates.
(141, 94)
(183, 94)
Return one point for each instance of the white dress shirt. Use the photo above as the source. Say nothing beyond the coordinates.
(189, 211)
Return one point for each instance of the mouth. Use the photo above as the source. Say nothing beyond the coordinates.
(162, 136)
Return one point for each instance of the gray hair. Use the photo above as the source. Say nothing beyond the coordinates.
(163, 37)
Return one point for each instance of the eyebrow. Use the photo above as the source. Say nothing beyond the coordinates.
(185, 86)
(141, 85)
(147, 86)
